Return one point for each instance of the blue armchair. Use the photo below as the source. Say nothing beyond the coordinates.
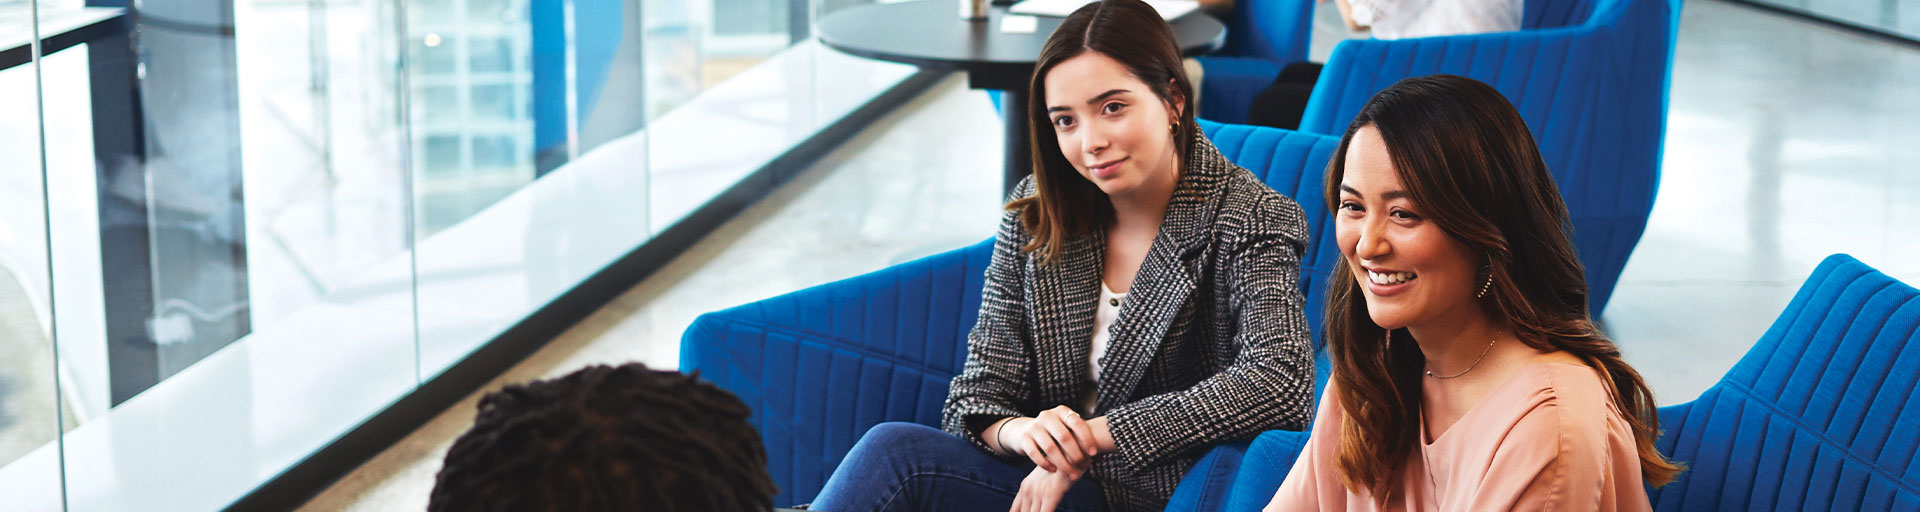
(1594, 93)
(822, 365)
(1266, 35)
(1819, 415)
(1262, 36)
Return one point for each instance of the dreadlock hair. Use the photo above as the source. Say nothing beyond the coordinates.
(608, 438)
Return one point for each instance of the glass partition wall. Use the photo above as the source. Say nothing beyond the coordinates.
(1900, 18)
(232, 230)
(32, 413)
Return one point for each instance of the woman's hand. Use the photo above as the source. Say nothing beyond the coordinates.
(1057, 439)
(1042, 490)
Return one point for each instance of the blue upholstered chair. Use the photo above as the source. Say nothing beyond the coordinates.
(1266, 35)
(822, 365)
(1819, 415)
(1262, 37)
(1591, 81)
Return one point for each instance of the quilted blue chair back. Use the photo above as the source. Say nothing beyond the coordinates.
(1280, 30)
(1819, 415)
(1594, 94)
(1295, 164)
(1539, 14)
(821, 365)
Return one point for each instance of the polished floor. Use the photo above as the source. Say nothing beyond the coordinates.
(1786, 142)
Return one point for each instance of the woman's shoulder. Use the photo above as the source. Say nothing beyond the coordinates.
(1251, 208)
(1242, 207)
(1575, 385)
(1562, 446)
(1568, 402)
(1024, 188)
(1552, 382)
(1013, 225)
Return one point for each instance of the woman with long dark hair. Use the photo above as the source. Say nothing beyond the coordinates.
(1142, 303)
(1467, 373)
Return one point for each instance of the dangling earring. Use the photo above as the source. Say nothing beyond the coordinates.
(1489, 284)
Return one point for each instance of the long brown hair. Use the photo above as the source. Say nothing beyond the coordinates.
(1467, 159)
(1064, 204)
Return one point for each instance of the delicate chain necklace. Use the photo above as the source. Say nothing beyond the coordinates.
(1476, 362)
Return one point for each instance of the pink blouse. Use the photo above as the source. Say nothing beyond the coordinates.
(1549, 438)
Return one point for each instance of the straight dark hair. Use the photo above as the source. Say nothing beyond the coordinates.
(1467, 159)
(1065, 205)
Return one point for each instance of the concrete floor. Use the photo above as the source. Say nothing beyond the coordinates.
(1786, 142)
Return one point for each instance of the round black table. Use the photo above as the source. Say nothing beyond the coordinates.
(931, 34)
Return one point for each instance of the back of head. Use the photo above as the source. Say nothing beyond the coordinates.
(607, 438)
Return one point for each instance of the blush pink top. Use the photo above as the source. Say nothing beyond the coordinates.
(1549, 438)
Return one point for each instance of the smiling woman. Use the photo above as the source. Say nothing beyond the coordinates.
(1142, 304)
(1458, 329)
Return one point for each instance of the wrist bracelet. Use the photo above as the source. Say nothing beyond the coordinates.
(1002, 440)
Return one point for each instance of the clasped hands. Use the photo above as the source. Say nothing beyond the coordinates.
(1062, 446)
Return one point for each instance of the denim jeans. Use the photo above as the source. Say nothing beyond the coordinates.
(912, 467)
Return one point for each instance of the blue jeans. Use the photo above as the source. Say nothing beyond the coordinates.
(913, 467)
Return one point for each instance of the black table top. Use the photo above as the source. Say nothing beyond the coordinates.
(931, 33)
(62, 29)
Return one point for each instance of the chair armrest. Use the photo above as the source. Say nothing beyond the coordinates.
(822, 365)
(812, 396)
(1671, 417)
(1206, 484)
(1267, 462)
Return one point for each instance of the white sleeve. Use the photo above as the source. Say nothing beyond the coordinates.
(1371, 12)
(1361, 11)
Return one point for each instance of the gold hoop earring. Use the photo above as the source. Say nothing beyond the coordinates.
(1173, 127)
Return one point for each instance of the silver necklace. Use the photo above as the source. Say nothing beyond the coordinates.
(1476, 362)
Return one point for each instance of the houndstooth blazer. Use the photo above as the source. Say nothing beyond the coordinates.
(1210, 346)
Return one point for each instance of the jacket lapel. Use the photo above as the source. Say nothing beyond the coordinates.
(1167, 278)
(1160, 291)
(1066, 297)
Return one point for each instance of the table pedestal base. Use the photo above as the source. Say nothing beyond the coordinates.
(1019, 160)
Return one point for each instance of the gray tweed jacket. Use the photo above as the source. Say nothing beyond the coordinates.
(1210, 346)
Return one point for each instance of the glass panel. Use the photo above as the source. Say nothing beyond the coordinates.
(1900, 17)
(1907, 14)
(230, 240)
(31, 410)
(475, 72)
(729, 91)
(270, 220)
(474, 154)
(552, 186)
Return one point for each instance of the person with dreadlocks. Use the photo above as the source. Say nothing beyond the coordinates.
(608, 438)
